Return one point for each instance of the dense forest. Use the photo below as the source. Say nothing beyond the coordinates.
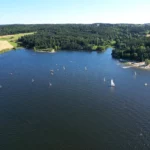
(130, 41)
(71, 37)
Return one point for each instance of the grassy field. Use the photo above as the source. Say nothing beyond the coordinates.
(12, 39)
(4, 45)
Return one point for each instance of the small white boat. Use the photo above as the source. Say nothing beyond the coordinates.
(0, 86)
(64, 67)
(51, 70)
(104, 79)
(135, 73)
(85, 68)
(112, 83)
(126, 67)
(50, 84)
(32, 80)
(145, 84)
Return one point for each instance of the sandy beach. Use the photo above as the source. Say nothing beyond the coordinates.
(45, 51)
(141, 65)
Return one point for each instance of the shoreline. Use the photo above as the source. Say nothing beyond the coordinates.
(9, 42)
(140, 65)
(45, 51)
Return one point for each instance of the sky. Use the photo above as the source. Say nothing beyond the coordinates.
(74, 11)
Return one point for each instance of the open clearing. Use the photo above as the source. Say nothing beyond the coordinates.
(5, 45)
(10, 41)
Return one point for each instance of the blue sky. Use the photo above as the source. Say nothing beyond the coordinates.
(74, 11)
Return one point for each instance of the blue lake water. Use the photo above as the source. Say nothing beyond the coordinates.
(73, 109)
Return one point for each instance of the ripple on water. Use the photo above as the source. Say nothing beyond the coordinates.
(73, 107)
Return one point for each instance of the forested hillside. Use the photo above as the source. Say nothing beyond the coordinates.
(71, 37)
(133, 48)
(15, 29)
(136, 44)
(129, 40)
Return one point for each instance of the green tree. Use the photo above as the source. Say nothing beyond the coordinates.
(147, 61)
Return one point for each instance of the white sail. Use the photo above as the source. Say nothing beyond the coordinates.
(52, 70)
(85, 68)
(135, 73)
(112, 83)
(50, 84)
(104, 79)
(145, 84)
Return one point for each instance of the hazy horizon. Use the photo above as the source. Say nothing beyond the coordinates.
(71, 23)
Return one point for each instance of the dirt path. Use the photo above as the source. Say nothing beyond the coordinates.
(5, 45)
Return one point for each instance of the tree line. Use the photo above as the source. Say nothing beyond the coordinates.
(128, 40)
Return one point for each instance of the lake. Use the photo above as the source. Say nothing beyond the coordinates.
(73, 108)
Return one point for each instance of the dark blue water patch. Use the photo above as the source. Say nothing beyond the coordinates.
(79, 110)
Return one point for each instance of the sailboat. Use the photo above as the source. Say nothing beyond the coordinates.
(112, 83)
(50, 84)
(104, 79)
(135, 73)
(145, 84)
